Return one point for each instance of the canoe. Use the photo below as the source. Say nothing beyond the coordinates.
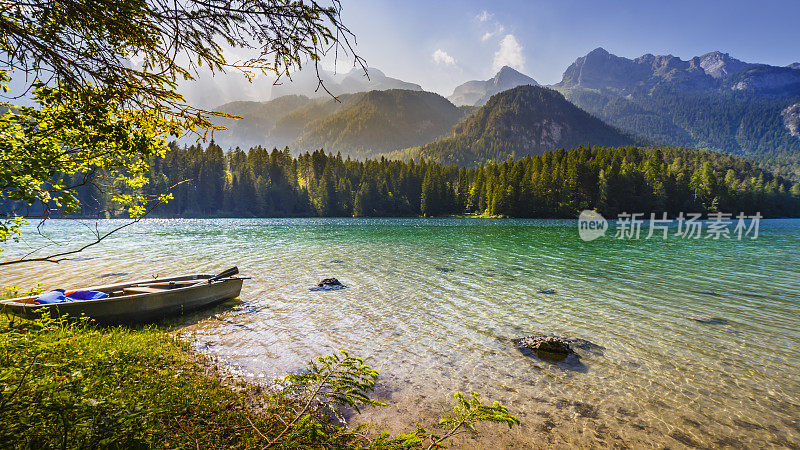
(138, 301)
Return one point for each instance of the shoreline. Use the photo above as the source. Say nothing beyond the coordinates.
(147, 386)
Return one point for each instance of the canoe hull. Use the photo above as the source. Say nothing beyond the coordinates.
(138, 308)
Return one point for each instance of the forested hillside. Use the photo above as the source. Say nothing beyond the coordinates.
(709, 102)
(258, 119)
(738, 123)
(382, 121)
(359, 125)
(526, 120)
(263, 183)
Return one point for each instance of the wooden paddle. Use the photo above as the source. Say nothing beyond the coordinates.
(224, 274)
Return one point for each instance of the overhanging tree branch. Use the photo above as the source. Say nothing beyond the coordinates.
(99, 237)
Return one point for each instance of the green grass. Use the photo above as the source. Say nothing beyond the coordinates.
(72, 385)
(67, 384)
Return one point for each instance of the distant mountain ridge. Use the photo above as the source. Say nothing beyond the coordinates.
(526, 120)
(600, 69)
(477, 93)
(381, 121)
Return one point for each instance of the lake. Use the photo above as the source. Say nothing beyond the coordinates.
(700, 338)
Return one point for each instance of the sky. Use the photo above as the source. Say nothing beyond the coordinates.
(440, 44)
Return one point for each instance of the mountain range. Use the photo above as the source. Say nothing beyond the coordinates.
(713, 71)
(711, 102)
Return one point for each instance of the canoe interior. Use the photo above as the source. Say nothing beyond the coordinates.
(140, 301)
(125, 289)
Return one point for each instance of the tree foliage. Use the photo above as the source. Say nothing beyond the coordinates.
(137, 51)
(561, 183)
(104, 76)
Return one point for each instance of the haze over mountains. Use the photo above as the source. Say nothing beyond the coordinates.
(306, 83)
(714, 102)
(359, 125)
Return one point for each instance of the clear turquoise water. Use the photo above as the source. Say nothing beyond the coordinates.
(432, 304)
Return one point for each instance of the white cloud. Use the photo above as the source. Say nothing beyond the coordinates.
(441, 57)
(484, 16)
(490, 34)
(509, 54)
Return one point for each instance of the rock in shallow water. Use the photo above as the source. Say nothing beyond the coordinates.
(328, 284)
(542, 343)
(113, 274)
(556, 349)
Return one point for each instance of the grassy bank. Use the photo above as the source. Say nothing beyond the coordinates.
(74, 385)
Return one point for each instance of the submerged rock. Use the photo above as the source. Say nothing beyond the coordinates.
(542, 343)
(247, 308)
(113, 274)
(328, 284)
(555, 349)
(712, 321)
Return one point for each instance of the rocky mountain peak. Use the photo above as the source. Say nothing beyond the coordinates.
(721, 65)
(508, 78)
(600, 68)
(477, 92)
(598, 52)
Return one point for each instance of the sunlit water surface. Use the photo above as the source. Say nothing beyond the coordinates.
(433, 304)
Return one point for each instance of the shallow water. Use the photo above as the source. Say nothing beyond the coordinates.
(433, 304)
